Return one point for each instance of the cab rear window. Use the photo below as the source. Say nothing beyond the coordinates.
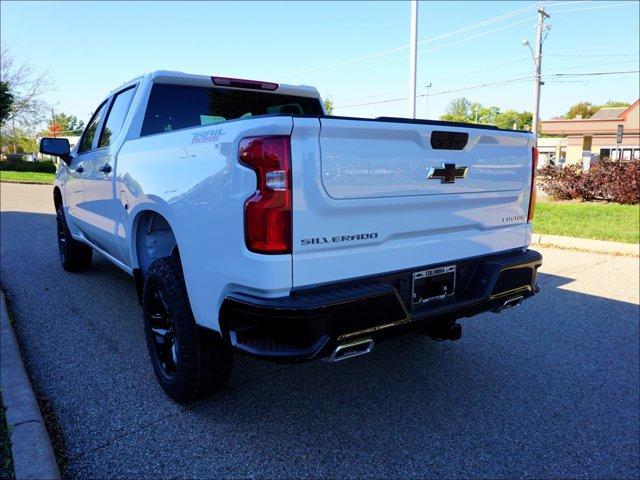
(174, 107)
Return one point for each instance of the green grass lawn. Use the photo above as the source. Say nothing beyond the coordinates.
(600, 221)
(26, 176)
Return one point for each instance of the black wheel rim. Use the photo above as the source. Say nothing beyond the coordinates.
(62, 237)
(163, 338)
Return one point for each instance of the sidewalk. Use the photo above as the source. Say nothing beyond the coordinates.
(599, 246)
(33, 456)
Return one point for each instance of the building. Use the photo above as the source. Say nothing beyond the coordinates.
(551, 151)
(595, 138)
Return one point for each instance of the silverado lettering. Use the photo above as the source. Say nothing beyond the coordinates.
(338, 238)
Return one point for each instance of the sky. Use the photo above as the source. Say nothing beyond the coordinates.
(355, 53)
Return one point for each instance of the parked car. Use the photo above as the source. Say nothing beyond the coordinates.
(252, 222)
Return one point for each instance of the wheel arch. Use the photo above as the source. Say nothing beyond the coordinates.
(152, 236)
(57, 197)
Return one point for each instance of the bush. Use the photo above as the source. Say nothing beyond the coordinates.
(22, 166)
(614, 181)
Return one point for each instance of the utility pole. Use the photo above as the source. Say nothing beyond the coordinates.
(537, 59)
(53, 123)
(413, 57)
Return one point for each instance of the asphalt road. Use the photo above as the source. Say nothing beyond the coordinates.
(550, 389)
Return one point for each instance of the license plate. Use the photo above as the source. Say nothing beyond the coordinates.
(434, 284)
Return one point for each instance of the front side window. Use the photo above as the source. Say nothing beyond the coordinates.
(86, 142)
(116, 116)
(174, 107)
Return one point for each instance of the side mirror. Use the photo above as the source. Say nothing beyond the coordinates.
(58, 147)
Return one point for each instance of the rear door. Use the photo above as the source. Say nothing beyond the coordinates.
(379, 196)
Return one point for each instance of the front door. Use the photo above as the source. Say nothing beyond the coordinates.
(100, 205)
(78, 170)
(73, 191)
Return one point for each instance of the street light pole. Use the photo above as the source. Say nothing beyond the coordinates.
(413, 50)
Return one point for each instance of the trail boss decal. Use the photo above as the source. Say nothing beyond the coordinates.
(338, 238)
(208, 136)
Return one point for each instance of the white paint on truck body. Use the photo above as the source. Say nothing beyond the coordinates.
(355, 177)
(351, 179)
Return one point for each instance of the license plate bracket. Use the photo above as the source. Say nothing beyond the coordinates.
(433, 284)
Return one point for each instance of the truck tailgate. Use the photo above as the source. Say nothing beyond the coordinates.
(378, 196)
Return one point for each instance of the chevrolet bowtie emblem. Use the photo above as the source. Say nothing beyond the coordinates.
(448, 173)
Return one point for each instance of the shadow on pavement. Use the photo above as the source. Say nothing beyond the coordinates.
(546, 390)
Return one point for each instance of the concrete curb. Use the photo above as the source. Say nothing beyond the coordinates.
(588, 245)
(31, 448)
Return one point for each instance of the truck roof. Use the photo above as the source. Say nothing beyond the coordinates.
(181, 78)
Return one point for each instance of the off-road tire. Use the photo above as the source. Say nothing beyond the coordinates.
(75, 256)
(201, 362)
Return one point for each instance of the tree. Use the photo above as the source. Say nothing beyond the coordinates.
(63, 124)
(328, 106)
(6, 102)
(510, 118)
(582, 109)
(615, 104)
(587, 110)
(19, 140)
(462, 110)
(457, 111)
(26, 88)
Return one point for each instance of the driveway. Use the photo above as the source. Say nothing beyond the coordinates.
(550, 389)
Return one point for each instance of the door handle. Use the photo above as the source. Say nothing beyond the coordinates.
(106, 168)
(79, 169)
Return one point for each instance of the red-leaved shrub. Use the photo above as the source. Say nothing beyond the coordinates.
(614, 181)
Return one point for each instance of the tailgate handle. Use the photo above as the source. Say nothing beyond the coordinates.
(448, 140)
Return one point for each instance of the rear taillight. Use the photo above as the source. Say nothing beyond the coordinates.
(267, 213)
(534, 190)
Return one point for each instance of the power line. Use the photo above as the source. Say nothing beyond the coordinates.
(488, 69)
(503, 82)
(454, 32)
(580, 74)
(437, 93)
(439, 80)
(473, 37)
(466, 74)
(611, 5)
(592, 55)
(426, 40)
(446, 45)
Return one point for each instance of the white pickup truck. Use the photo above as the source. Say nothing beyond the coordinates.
(253, 222)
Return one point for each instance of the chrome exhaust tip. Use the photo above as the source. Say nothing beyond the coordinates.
(352, 349)
(509, 303)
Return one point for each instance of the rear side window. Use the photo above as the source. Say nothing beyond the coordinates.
(174, 107)
(86, 142)
(117, 114)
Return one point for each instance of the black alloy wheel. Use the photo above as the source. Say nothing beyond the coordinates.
(164, 339)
